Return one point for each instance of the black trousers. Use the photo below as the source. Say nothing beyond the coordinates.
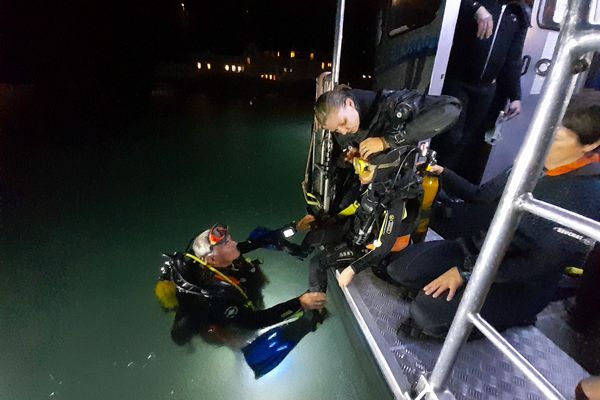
(462, 146)
(587, 301)
(508, 304)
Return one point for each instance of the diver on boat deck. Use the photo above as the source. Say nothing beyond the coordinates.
(530, 272)
(376, 121)
(366, 123)
(387, 215)
(212, 284)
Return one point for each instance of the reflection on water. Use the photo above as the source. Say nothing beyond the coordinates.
(87, 214)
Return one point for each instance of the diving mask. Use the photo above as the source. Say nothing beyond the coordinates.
(218, 234)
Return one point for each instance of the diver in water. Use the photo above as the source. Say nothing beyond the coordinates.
(387, 215)
(212, 287)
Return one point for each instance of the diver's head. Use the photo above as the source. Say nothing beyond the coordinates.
(378, 168)
(337, 111)
(216, 246)
(364, 170)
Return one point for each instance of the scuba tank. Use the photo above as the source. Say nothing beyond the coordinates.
(431, 186)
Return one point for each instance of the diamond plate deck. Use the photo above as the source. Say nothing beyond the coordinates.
(481, 371)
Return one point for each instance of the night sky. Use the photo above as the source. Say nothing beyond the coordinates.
(102, 41)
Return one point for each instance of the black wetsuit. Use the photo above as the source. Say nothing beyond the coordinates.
(382, 208)
(388, 112)
(531, 269)
(382, 114)
(214, 301)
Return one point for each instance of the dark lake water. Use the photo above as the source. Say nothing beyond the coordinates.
(87, 212)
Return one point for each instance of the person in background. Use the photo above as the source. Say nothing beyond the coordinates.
(490, 35)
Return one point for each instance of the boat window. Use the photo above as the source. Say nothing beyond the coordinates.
(551, 13)
(407, 15)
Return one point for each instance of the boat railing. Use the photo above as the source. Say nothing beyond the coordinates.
(578, 37)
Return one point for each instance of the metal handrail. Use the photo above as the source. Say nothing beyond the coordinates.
(581, 224)
(517, 358)
(576, 38)
(337, 43)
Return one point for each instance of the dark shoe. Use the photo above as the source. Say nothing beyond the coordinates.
(407, 294)
(411, 329)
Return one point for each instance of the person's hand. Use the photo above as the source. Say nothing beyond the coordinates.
(485, 23)
(304, 224)
(371, 146)
(449, 280)
(313, 300)
(346, 277)
(351, 152)
(435, 169)
(514, 109)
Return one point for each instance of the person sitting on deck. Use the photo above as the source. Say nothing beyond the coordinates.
(540, 250)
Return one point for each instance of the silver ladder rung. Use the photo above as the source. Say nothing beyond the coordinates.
(518, 360)
(579, 223)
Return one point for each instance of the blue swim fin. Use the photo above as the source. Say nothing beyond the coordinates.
(269, 349)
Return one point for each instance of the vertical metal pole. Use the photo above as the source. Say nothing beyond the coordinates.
(526, 170)
(337, 43)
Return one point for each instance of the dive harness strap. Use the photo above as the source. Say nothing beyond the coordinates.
(350, 210)
(227, 279)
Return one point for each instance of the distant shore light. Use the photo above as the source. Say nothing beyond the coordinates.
(226, 67)
(312, 56)
(199, 65)
(292, 54)
(207, 65)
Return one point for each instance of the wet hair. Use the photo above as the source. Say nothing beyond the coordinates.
(332, 100)
(583, 116)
